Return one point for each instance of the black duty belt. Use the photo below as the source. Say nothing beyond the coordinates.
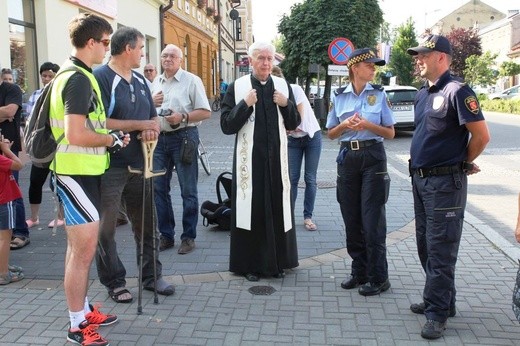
(356, 145)
(429, 172)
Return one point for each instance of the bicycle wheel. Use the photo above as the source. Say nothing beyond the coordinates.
(215, 106)
(203, 157)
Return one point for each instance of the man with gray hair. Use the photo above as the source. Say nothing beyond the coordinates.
(129, 107)
(259, 109)
(182, 104)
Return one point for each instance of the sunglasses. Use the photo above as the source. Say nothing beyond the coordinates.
(105, 41)
(149, 70)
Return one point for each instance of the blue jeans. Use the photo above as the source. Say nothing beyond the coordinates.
(166, 156)
(20, 228)
(310, 148)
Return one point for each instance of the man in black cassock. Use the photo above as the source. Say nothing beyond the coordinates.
(259, 108)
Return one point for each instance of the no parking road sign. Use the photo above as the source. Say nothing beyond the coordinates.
(340, 50)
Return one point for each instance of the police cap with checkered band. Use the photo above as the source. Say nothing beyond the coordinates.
(432, 43)
(366, 55)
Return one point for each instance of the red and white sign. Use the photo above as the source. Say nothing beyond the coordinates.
(340, 50)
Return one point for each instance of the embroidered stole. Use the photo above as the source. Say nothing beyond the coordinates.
(244, 158)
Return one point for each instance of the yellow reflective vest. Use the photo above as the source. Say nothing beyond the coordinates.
(72, 159)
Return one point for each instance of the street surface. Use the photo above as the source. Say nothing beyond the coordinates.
(212, 306)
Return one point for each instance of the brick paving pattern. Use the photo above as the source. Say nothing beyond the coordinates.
(214, 307)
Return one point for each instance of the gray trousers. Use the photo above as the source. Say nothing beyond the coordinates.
(118, 184)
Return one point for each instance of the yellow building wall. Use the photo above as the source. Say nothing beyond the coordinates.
(200, 50)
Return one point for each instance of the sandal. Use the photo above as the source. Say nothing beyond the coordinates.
(59, 223)
(10, 277)
(309, 225)
(15, 269)
(116, 294)
(30, 223)
(19, 241)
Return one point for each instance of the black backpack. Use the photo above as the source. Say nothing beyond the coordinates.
(219, 214)
(40, 144)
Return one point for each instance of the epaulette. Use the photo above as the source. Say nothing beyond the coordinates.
(339, 91)
(377, 87)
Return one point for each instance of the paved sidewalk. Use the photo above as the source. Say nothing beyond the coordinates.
(212, 306)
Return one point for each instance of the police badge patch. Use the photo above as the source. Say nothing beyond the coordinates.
(472, 105)
(371, 99)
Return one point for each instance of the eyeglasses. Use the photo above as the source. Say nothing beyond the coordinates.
(171, 56)
(105, 41)
(149, 70)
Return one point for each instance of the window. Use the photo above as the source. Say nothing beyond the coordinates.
(22, 37)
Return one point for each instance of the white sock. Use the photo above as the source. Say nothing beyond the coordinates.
(76, 318)
(86, 308)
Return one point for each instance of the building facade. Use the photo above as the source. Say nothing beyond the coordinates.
(38, 31)
(193, 25)
(501, 38)
(473, 14)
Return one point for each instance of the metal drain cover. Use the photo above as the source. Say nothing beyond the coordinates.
(261, 290)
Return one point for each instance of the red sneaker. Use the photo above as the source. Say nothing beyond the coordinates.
(97, 317)
(86, 335)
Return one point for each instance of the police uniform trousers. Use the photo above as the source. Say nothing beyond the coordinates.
(439, 203)
(363, 184)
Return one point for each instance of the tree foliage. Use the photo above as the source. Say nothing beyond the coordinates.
(401, 63)
(313, 24)
(478, 69)
(509, 69)
(464, 43)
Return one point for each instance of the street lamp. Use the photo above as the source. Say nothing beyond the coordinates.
(233, 14)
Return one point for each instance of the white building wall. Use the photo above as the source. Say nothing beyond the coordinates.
(52, 18)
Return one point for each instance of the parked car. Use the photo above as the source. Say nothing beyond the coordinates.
(402, 103)
(313, 92)
(506, 94)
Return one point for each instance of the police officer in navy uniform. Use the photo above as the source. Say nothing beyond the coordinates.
(442, 153)
(361, 117)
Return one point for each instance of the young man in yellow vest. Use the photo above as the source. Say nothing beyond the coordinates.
(77, 113)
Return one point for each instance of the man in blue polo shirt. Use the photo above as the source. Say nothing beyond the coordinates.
(442, 154)
(129, 107)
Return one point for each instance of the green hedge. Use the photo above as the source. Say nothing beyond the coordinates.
(502, 106)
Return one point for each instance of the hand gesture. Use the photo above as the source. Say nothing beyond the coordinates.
(279, 99)
(5, 144)
(149, 135)
(473, 170)
(251, 98)
(353, 122)
(158, 99)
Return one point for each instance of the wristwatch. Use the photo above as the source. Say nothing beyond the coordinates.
(184, 116)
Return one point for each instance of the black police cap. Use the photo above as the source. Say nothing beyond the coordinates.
(432, 43)
(364, 54)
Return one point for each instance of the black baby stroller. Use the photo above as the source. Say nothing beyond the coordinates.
(219, 214)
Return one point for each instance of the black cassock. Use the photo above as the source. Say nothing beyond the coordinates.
(266, 249)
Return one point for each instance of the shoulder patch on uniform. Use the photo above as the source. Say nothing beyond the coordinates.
(472, 104)
(377, 87)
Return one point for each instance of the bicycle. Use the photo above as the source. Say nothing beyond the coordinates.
(215, 106)
(203, 157)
